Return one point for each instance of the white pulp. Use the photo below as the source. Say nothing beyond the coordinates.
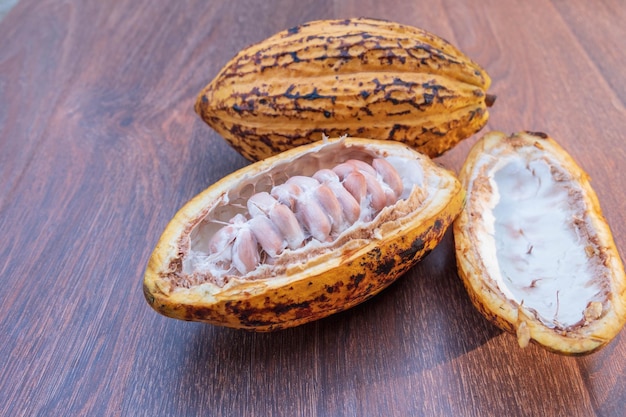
(199, 258)
(532, 247)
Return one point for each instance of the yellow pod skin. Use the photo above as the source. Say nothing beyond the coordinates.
(356, 77)
(533, 249)
(309, 282)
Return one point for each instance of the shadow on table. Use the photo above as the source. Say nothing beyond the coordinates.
(420, 322)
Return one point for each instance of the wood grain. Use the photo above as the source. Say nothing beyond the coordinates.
(99, 146)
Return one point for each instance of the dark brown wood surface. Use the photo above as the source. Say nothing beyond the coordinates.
(99, 146)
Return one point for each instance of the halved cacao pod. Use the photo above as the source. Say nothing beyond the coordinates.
(357, 77)
(214, 264)
(533, 248)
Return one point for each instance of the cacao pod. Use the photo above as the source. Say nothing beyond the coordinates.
(533, 248)
(357, 77)
(301, 235)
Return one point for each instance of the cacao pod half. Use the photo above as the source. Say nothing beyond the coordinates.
(218, 262)
(357, 77)
(533, 248)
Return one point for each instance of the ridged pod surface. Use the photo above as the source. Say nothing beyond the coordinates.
(533, 248)
(357, 77)
(208, 268)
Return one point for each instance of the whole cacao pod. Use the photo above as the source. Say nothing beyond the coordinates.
(357, 77)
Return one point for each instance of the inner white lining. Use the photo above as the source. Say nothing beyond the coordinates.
(534, 250)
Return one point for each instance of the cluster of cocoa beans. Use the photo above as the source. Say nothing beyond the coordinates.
(303, 208)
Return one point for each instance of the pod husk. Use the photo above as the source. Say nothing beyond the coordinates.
(592, 332)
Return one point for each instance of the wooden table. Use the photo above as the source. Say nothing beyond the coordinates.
(99, 146)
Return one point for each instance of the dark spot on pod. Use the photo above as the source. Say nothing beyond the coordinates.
(379, 85)
(538, 134)
(355, 280)
(344, 53)
(313, 37)
(401, 82)
(435, 88)
(246, 320)
(392, 100)
(389, 57)
(257, 92)
(313, 95)
(394, 129)
(293, 30)
(294, 56)
(416, 246)
(327, 114)
(283, 308)
(266, 140)
(366, 111)
(233, 307)
(365, 94)
(399, 113)
(204, 99)
(246, 106)
(386, 266)
(288, 93)
(375, 253)
(322, 298)
(334, 288)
